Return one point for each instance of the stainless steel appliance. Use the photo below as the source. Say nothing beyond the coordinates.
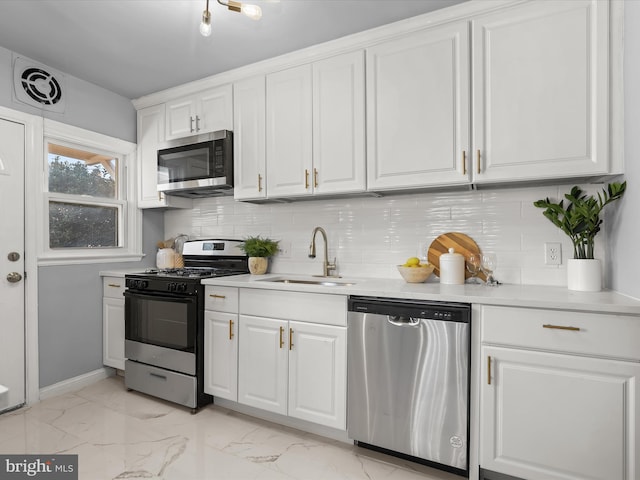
(408, 379)
(197, 166)
(164, 322)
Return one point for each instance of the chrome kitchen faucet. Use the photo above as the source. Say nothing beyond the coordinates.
(326, 266)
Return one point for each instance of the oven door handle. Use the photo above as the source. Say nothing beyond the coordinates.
(168, 296)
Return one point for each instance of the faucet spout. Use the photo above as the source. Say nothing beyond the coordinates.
(326, 265)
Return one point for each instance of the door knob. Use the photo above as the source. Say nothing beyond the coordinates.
(14, 277)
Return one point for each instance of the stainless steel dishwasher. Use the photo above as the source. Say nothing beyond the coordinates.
(408, 379)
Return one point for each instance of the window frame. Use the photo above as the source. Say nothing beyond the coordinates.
(129, 216)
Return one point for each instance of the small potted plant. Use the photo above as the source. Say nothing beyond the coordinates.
(581, 221)
(259, 250)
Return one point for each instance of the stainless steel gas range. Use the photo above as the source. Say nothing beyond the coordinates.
(164, 322)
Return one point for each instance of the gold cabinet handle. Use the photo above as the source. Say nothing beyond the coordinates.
(489, 370)
(478, 155)
(464, 162)
(561, 327)
(114, 285)
(281, 340)
(306, 178)
(315, 178)
(259, 182)
(230, 329)
(291, 339)
(213, 295)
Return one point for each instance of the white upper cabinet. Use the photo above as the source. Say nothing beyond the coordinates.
(249, 149)
(339, 124)
(418, 109)
(541, 91)
(203, 112)
(315, 128)
(289, 132)
(150, 137)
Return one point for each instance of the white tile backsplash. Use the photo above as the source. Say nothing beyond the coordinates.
(369, 235)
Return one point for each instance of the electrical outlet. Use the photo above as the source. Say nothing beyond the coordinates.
(284, 249)
(552, 253)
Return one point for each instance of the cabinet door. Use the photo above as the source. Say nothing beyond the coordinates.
(221, 354)
(113, 332)
(339, 124)
(418, 109)
(262, 363)
(318, 373)
(289, 132)
(214, 109)
(181, 118)
(249, 151)
(541, 91)
(151, 125)
(551, 416)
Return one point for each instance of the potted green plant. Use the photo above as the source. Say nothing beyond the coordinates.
(580, 220)
(259, 250)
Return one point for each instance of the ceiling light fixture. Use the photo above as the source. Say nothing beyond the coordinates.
(254, 12)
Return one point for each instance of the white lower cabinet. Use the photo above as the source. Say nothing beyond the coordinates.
(221, 354)
(557, 403)
(294, 368)
(113, 322)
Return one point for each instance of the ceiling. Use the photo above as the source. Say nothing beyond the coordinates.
(137, 47)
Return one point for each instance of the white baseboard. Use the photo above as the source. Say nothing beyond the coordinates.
(76, 383)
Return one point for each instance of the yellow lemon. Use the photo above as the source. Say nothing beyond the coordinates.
(412, 262)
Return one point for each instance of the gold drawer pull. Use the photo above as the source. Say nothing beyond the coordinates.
(259, 182)
(464, 162)
(478, 160)
(489, 370)
(306, 179)
(562, 327)
(213, 295)
(315, 178)
(290, 338)
(114, 285)
(230, 329)
(281, 340)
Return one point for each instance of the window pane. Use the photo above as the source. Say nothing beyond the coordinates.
(73, 225)
(79, 172)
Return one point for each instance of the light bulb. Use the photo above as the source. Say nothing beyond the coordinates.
(254, 12)
(205, 25)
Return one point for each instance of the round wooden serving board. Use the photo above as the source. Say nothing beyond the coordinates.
(461, 243)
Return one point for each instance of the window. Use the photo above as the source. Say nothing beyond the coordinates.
(88, 210)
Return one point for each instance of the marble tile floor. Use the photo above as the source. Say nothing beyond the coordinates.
(127, 435)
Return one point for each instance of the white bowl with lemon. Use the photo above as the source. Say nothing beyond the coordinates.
(415, 272)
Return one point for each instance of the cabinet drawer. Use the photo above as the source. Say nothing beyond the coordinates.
(113, 287)
(607, 335)
(309, 307)
(221, 299)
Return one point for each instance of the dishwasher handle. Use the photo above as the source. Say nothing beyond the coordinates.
(403, 321)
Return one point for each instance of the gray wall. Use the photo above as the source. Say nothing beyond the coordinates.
(70, 297)
(624, 221)
(70, 310)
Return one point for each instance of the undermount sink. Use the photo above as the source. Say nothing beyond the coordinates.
(323, 282)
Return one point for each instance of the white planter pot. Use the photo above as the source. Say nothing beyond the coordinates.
(258, 265)
(584, 275)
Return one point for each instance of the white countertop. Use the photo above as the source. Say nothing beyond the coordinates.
(534, 296)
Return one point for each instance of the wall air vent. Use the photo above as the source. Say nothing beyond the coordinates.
(38, 86)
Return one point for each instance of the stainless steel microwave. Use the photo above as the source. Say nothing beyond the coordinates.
(197, 166)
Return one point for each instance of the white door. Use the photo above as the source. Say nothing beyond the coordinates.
(418, 109)
(338, 124)
(12, 316)
(221, 354)
(552, 416)
(318, 373)
(249, 164)
(289, 132)
(541, 83)
(262, 363)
